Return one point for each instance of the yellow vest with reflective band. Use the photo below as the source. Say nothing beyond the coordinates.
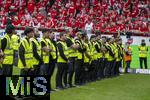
(38, 46)
(28, 54)
(95, 53)
(143, 51)
(86, 59)
(45, 56)
(79, 54)
(115, 50)
(72, 52)
(8, 52)
(53, 53)
(119, 51)
(110, 58)
(100, 54)
(15, 40)
(65, 50)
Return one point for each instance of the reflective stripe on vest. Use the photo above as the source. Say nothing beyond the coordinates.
(8, 52)
(28, 54)
(143, 51)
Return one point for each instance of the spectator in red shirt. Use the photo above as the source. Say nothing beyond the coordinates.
(31, 5)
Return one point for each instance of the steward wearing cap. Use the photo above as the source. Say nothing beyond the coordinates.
(7, 48)
(143, 51)
(44, 69)
(26, 53)
(37, 59)
(62, 62)
(80, 59)
(72, 54)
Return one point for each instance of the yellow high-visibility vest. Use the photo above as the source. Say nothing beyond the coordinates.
(15, 40)
(99, 54)
(28, 54)
(53, 52)
(38, 47)
(143, 51)
(72, 52)
(45, 56)
(79, 54)
(8, 52)
(86, 59)
(110, 58)
(65, 50)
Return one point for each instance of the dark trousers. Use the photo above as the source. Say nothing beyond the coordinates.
(95, 66)
(26, 72)
(127, 66)
(78, 71)
(61, 76)
(141, 62)
(51, 69)
(101, 68)
(113, 68)
(7, 69)
(1, 70)
(85, 74)
(108, 67)
(71, 70)
(44, 69)
(36, 69)
(117, 68)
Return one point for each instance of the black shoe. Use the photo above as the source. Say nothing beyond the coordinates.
(71, 86)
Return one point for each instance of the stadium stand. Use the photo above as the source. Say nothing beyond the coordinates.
(107, 15)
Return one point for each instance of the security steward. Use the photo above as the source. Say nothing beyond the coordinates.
(45, 52)
(62, 62)
(72, 55)
(37, 60)
(143, 50)
(52, 54)
(7, 49)
(80, 59)
(25, 62)
(110, 57)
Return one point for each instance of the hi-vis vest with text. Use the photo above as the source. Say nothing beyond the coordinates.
(8, 52)
(143, 51)
(38, 46)
(28, 54)
(65, 50)
(53, 52)
(45, 56)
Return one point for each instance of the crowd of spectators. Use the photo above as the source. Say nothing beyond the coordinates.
(105, 15)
